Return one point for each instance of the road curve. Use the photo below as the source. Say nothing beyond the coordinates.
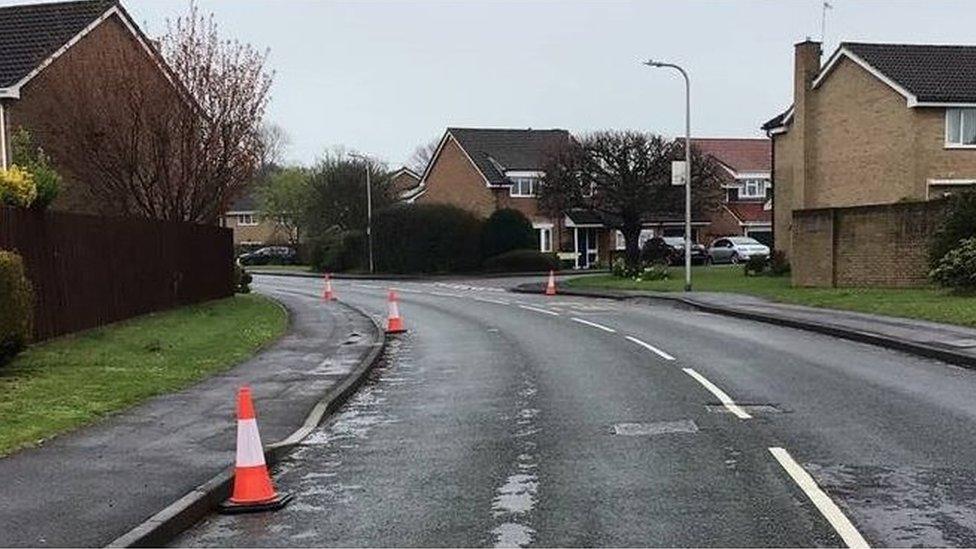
(502, 419)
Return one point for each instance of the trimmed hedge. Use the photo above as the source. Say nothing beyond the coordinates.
(522, 261)
(957, 268)
(16, 306)
(507, 230)
(426, 238)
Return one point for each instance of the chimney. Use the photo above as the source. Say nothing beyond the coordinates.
(806, 66)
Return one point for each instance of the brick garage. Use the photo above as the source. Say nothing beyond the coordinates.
(879, 245)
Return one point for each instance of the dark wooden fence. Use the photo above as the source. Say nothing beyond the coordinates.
(89, 270)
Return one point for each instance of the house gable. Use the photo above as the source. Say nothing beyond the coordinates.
(453, 178)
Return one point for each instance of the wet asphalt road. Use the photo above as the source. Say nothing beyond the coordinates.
(513, 420)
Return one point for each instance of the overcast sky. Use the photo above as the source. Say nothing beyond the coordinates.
(383, 77)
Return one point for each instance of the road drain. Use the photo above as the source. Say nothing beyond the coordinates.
(717, 408)
(656, 428)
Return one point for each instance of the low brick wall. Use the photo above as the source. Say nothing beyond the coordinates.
(880, 245)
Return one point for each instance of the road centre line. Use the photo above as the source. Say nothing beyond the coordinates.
(651, 348)
(722, 396)
(538, 310)
(489, 300)
(441, 294)
(594, 324)
(842, 525)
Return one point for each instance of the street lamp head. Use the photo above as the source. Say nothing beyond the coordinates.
(652, 63)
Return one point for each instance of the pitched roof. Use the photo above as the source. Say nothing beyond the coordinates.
(31, 33)
(738, 154)
(747, 212)
(932, 73)
(495, 150)
(781, 119)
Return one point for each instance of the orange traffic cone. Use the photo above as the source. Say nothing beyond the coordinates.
(551, 287)
(253, 490)
(394, 325)
(328, 294)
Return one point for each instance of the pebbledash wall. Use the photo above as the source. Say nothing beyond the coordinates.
(880, 245)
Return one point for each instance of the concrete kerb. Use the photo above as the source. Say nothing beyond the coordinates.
(202, 500)
(910, 347)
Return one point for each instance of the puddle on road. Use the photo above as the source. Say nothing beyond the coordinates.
(912, 506)
(515, 499)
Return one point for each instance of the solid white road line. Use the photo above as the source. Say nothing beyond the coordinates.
(538, 310)
(651, 348)
(827, 507)
(720, 394)
(408, 291)
(594, 324)
(358, 285)
(441, 294)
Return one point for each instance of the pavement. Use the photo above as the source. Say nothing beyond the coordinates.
(92, 485)
(509, 420)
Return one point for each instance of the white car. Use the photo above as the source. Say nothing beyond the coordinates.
(733, 249)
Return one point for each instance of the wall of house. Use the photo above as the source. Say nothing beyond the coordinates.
(265, 232)
(784, 202)
(454, 180)
(47, 101)
(878, 245)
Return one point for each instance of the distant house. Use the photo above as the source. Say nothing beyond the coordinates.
(251, 228)
(875, 124)
(483, 170)
(403, 180)
(747, 199)
(41, 45)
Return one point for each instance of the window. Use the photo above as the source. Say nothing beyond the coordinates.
(621, 243)
(961, 127)
(545, 239)
(753, 188)
(246, 220)
(523, 186)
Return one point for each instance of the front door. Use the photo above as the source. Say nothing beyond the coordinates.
(587, 250)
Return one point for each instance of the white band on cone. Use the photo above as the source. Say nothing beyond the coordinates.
(249, 450)
(394, 310)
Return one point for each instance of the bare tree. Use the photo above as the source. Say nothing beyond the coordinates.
(626, 177)
(177, 139)
(422, 156)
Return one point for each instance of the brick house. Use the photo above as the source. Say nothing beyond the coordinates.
(403, 180)
(252, 229)
(747, 198)
(875, 124)
(42, 46)
(483, 170)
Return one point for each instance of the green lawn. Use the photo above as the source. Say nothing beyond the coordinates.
(62, 384)
(282, 268)
(923, 303)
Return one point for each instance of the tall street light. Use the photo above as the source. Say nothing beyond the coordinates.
(369, 208)
(658, 64)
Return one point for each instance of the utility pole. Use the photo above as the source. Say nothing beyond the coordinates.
(369, 208)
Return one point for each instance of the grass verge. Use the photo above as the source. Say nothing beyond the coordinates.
(62, 384)
(932, 304)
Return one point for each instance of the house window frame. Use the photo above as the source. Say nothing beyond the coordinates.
(251, 219)
(953, 145)
(762, 188)
(515, 190)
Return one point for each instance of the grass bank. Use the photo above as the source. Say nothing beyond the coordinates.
(932, 304)
(62, 384)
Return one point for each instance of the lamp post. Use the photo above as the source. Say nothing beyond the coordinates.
(369, 208)
(658, 64)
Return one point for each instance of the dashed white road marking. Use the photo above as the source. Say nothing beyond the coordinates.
(489, 300)
(842, 525)
(441, 294)
(538, 310)
(359, 285)
(594, 325)
(408, 291)
(651, 348)
(722, 396)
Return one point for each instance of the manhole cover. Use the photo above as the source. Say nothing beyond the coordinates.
(656, 428)
(748, 408)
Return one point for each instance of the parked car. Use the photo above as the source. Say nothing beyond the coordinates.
(671, 250)
(733, 249)
(270, 255)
